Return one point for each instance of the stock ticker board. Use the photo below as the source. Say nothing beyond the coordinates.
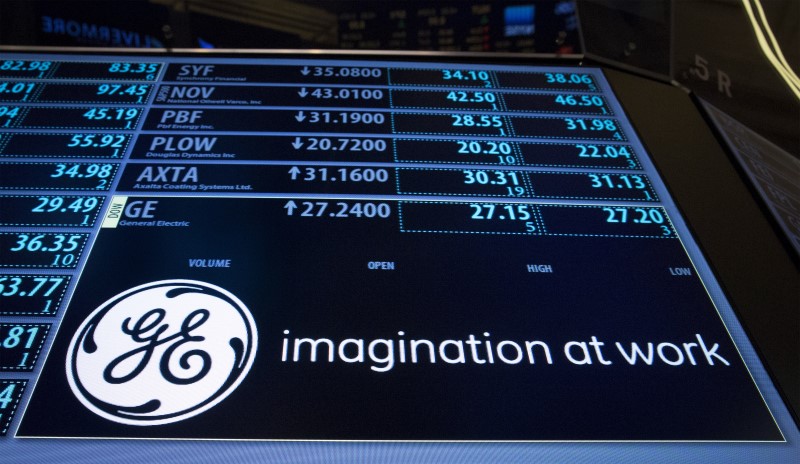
(296, 249)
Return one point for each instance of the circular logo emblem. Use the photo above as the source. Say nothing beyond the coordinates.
(161, 352)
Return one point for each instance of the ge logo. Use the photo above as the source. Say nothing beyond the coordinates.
(161, 352)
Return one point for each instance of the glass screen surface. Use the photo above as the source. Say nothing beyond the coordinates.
(455, 260)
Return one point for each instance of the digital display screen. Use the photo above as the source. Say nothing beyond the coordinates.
(263, 257)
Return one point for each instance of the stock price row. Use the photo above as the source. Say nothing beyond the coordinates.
(385, 218)
(566, 80)
(260, 95)
(270, 121)
(571, 80)
(319, 148)
(489, 218)
(62, 250)
(384, 122)
(383, 98)
(375, 180)
(81, 211)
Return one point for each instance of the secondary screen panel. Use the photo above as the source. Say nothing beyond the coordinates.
(372, 251)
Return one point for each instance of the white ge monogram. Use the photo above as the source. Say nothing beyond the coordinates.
(161, 352)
